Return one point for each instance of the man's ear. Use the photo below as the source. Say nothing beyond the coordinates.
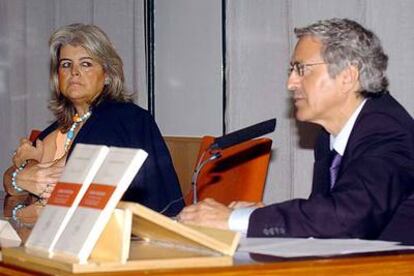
(350, 78)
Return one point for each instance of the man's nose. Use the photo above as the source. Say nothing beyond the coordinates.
(293, 81)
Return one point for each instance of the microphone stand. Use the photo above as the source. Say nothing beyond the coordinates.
(201, 163)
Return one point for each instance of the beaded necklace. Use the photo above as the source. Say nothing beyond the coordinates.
(76, 121)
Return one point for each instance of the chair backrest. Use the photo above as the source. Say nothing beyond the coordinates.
(34, 134)
(239, 175)
(183, 152)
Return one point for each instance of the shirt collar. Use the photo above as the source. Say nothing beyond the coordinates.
(339, 142)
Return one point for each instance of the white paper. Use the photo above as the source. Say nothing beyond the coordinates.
(296, 247)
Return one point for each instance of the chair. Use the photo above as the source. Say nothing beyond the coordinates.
(239, 175)
(183, 152)
(34, 134)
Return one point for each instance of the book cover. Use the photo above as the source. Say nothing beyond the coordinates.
(95, 209)
(79, 171)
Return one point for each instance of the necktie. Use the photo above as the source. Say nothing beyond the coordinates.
(334, 168)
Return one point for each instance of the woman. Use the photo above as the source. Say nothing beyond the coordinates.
(91, 106)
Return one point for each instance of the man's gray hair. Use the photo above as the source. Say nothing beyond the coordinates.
(346, 42)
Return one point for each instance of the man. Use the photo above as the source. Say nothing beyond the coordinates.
(364, 157)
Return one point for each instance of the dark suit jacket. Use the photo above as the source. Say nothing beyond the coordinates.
(376, 175)
(127, 125)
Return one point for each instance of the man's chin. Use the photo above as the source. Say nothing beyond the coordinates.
(301, 117)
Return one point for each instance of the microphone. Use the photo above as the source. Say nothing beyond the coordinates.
(227, 141)
(243, 135)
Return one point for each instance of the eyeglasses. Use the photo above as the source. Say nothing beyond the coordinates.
(299, 68)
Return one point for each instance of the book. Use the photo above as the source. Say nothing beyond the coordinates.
(79, 171)
(95, 209)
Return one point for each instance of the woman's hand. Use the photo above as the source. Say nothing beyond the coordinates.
(26, 151)
(40, 178)
(25, 217)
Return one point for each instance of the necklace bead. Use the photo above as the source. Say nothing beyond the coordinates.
(76, 121)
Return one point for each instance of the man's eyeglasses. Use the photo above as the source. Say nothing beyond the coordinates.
(299, 68)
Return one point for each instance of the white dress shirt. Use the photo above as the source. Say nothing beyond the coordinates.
(239, 218)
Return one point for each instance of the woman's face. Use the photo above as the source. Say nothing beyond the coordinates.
(81, 78)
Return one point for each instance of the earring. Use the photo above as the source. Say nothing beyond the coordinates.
(106, 82)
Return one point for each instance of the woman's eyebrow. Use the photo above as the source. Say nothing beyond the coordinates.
(81, 58)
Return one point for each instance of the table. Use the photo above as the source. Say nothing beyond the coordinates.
(385, 263)
(397, 263)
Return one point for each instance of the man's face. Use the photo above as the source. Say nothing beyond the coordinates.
(316, 95)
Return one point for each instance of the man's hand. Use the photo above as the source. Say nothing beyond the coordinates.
(208, 213)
